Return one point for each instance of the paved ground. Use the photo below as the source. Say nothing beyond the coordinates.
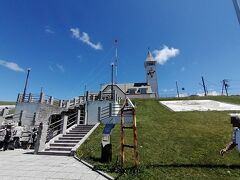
(200, 105)
(8, 106)
(20, 164)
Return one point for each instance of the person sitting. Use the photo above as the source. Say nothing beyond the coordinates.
(7, 138)
(17, 133)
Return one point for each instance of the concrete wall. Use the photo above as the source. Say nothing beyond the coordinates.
(140, 96)
(43, 112)
(92, 110)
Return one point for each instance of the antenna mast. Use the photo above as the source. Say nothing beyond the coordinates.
(116, 59)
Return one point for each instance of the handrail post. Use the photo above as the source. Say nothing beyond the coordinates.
(110, 109)
(30, 97)
(65, 120)
(79, 98)
(41, 138)
(68, 104)
(19, 97)
(41, 100)
(100, 95)
(51, 99)
(34, 118)
(99, 113)
(21, 116)
(78, 116)
(86, 114)
(60, 103)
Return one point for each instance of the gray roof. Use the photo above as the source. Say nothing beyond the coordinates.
(149, 57)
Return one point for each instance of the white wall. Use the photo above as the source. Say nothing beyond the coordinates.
(92, 110)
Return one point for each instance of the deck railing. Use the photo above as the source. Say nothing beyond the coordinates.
(46, 99)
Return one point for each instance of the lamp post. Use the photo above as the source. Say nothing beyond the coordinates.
(112, 96)
(25, 87)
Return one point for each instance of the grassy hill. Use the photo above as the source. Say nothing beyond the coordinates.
(172, 145)
(7, 103)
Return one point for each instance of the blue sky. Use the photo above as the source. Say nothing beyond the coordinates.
(70, 44)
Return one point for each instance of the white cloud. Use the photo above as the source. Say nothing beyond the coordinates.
(210, 93)
(167, 90)
(60, 67)
(11, 65)
(164, 54)
(49, 30)
(182, 95)
(182, 69)
(51, 68)
(84, 37)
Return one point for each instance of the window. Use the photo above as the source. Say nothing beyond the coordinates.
(131, 91)
(142, 90)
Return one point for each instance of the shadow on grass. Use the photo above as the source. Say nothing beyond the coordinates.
(95, 159)
(136, 170)
(222, 166)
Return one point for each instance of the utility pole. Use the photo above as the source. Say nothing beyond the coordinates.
(225, 86)
(26, 82)
(204, 87)
(116, 59)
(112, 81)
(223, 83)
(177, 88)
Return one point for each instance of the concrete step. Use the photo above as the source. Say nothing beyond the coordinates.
(59, 148)
(67, 141)
(70, 138)
(56, 153)
(79, 129)
(82, 129)
(77, 132)
(74, 135)
(63, 144)
(84, 126)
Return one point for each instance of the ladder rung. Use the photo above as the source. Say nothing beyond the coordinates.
(127, 145)
(124, 110)
(127, 127)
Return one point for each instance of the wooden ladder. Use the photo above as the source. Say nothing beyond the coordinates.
(129, 109)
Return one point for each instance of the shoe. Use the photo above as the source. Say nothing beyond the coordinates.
(222, 152)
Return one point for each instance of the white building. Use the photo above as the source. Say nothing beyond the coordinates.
(148, 89)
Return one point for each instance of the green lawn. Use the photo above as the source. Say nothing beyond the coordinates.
(172, 145)
(7, 103)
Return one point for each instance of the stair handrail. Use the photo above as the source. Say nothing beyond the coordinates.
(112, 110)
(54, 128)
(70, 118)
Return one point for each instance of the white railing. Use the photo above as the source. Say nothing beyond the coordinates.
(46, 99)
(60, 126)
(112, 110)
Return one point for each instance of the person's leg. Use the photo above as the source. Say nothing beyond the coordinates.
(229, 147)
(5, 145)
(16, 142)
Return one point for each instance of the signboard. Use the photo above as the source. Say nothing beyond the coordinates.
(108, 128)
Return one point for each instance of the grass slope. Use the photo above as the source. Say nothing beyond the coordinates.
(172, 145)
(7, 103)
